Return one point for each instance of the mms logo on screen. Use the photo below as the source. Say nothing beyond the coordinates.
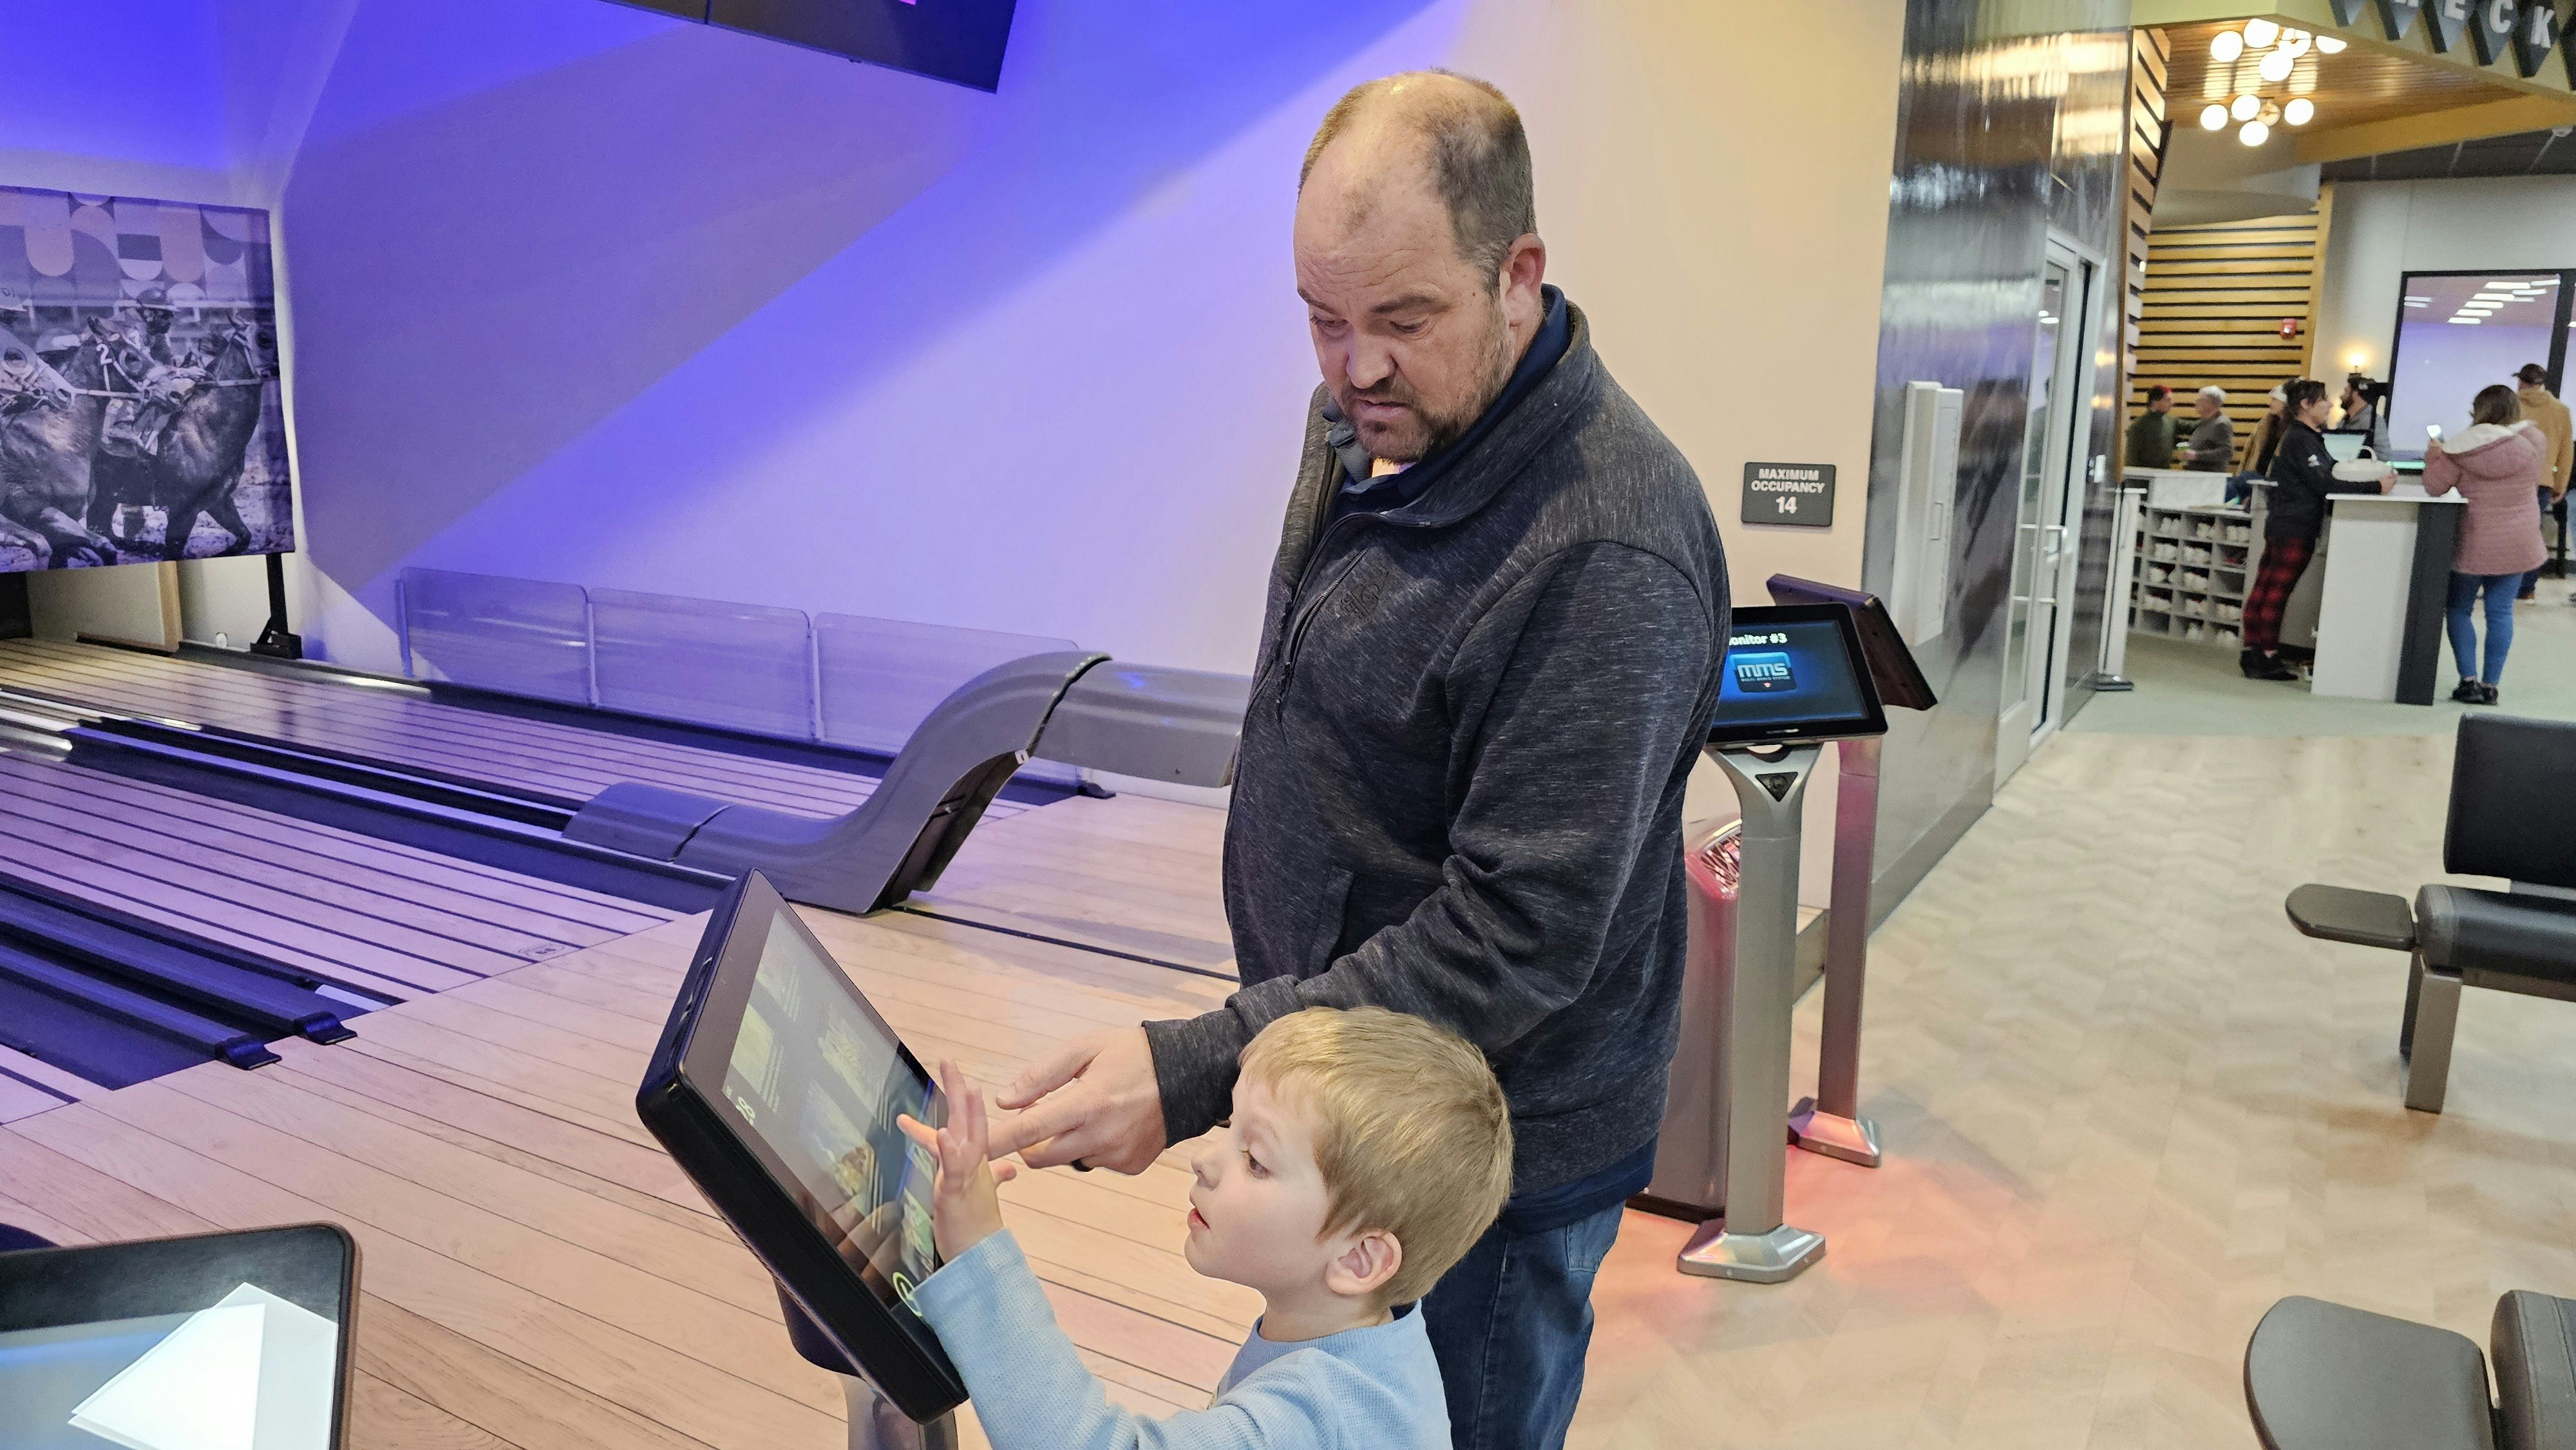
(1764, 674)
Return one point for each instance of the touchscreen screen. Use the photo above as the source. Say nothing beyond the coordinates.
(1793, 673)
(819, 1080)
(249, 1370)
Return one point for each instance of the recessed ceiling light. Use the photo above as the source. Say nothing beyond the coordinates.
(2508, 282)
(2468, 321)
(2411, 297)
(2496, 297)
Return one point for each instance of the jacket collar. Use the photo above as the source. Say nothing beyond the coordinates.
(2479, 435)
(1471, 479)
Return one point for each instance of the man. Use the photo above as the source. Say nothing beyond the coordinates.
(2213, 443)
(1492, 641)
(2151, 433)
(2550, 416)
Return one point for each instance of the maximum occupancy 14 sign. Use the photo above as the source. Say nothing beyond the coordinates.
(1798, 494)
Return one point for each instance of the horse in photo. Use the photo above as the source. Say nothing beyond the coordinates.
(47, 440)
(203, 449)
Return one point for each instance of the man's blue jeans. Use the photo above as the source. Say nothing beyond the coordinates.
(1510, 1324)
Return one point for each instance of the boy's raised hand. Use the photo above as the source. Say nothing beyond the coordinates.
(965, 1209)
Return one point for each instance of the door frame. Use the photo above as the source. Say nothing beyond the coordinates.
(2065, 468)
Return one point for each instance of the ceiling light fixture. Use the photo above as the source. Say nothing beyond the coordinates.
(2300, 111)
(2260, 33)
(2296, 42)
(2276, 66)
(2213, 117)
(2226, 46)
(2243, 108)
(2330, 45)
(2255, 133)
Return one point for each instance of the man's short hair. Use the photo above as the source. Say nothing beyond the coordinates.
(2215, 394)
(2533, 375)
(1411, 1131)
(2158, 393)
(1480, 159)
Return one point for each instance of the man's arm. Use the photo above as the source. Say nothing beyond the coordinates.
(1576, 700)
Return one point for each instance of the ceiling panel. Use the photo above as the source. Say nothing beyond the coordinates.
(2360, 85)
(2529, 153)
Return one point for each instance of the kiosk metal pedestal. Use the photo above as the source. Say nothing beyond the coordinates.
(875, 1424)
(1830, 1122)
(1750, 1241)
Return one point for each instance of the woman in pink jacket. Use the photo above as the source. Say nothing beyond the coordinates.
(2497, 463)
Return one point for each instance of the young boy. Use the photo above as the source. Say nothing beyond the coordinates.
(1368, 1150)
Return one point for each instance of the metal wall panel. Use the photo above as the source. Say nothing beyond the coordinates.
(2003, 131)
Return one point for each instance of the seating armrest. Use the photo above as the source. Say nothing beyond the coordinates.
(2322, 1376)
(2363, 918)
(2535, 1370)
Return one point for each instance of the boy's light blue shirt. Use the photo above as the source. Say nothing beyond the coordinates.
(1377, 1386)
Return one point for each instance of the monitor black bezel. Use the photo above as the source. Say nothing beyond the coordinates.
(1873, 720)
(1892, 666)
(681, 1102)
(141, 1278)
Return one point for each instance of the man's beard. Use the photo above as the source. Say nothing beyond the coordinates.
(1423, 432)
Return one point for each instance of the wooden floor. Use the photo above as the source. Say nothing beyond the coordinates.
(2125, 1108)
(389, 919)
(405, 727)
(1128, 875)
(536, 1273)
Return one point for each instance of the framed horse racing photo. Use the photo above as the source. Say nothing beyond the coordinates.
(141, 409)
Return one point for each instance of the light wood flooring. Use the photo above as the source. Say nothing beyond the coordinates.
(536, 1273)
(2125, 1109)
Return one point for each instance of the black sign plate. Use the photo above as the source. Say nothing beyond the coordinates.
(1799, 494)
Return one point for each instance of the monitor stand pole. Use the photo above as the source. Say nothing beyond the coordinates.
(1750, 1242)
(875, 1424)
(1830, 1122)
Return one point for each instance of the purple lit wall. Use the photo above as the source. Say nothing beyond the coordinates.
(578, 292)
(587, 295)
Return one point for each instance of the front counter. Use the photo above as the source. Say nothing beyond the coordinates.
(2383, 571)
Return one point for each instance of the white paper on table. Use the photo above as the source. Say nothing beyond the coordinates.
(252, 1372)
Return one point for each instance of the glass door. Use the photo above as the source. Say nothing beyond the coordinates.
(2035, 634)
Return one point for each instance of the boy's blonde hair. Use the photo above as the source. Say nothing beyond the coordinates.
(1411, 1132)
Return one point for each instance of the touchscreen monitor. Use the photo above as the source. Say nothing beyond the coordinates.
(1892, 666)
(1795, 672)
(230, 1341)
(776, 1087)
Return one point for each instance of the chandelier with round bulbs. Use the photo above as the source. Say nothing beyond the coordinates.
(2275, 50)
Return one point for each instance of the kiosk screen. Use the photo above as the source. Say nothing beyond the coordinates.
(1794, 672)
(818, 1079)
(219, 1340)
(776, 1087)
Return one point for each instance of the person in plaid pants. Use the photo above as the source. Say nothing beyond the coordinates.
(2302, 476)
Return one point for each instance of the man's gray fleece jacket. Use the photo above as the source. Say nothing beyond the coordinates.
(1460, 793)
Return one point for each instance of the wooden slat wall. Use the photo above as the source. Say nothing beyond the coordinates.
(2214, 300)
(2149, 52)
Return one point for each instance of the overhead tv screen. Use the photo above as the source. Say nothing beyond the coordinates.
(140, 408)
(949, 40)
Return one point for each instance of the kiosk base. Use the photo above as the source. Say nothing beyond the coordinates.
(1768, 1258)
(875, 1424)
(1853, 1140)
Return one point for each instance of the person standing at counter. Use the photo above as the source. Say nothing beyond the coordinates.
(1492, 646)
(2213, 443)
(2500, 465)
(2302, 475)
(2557, 436)
(2151, 434)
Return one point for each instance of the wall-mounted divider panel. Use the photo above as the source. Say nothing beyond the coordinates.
(880, 678)
(740, 666)
(517, 636)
